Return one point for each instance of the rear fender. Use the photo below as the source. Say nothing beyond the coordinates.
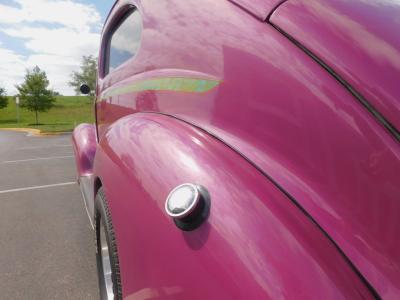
(256, 244)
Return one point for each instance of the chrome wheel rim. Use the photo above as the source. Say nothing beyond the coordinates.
(106, 263)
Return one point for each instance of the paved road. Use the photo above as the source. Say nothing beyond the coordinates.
(46, 242)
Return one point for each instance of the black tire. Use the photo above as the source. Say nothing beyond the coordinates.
(103, 217)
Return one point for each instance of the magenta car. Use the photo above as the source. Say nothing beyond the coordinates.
(246, 149)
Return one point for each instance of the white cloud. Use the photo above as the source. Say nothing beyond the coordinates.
(62, 41)
(65, 12)
(66, 31)
(12, 69)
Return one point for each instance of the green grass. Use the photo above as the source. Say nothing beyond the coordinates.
(68, 112)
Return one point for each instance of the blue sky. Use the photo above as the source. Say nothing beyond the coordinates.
(53, 34)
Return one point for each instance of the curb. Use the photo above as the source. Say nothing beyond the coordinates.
(35, 132)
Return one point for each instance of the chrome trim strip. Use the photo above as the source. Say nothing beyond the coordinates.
(85, 200)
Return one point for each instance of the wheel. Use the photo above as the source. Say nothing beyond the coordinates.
(106, 251)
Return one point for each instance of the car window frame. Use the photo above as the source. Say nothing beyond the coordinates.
(123, 14)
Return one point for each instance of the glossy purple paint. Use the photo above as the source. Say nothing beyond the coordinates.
(259, 8)
(287, 116)
(358, 39)
(84, 144)
(256, 244)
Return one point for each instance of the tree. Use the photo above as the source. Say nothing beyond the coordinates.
(3, 98)
(34, 92)
(87, 75)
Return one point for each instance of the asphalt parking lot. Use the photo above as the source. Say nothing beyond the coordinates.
(46, 242)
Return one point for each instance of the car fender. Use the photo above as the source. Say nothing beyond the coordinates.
(256, 243)
(84, 144)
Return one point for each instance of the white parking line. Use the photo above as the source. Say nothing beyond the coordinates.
(37, 158)
(37, 187)
(43, 147)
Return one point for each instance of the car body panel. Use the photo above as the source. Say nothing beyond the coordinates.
(274, 106)
(358, 39)
(256, 244)
(259, 8)
(115, 101)
(85, 144)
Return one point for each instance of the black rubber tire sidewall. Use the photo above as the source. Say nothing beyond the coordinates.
(102, 214)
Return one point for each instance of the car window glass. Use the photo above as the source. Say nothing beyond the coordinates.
(125, 40)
